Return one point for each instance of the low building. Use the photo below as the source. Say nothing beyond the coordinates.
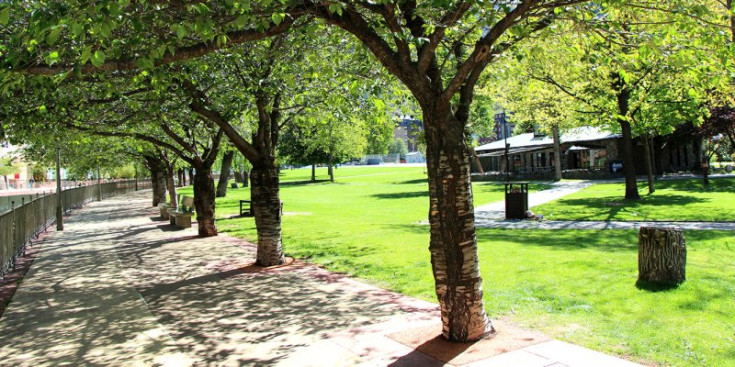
(586, 153)
(532, 154)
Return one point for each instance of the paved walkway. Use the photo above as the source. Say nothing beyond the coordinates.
(493, 215)
(118, 287)
(558, 190)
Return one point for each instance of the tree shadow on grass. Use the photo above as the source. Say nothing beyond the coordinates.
(304, 182)
(716, 184)
(603, 240)
(413, 182)
(612, 206)
(402, 195)
(655, 287)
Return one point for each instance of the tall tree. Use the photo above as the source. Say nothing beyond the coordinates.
(439, 50)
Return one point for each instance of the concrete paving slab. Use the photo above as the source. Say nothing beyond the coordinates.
(513, 359)
(575, 356)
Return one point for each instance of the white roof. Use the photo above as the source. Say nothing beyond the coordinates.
(579, 134)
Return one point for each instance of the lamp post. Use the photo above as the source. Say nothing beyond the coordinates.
(59, 207)
(504, 121)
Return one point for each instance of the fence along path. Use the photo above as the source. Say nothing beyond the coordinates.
(34, 213)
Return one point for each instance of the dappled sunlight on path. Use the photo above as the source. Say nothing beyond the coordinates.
(117, 284)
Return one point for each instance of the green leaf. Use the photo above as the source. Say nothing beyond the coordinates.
(241, 21)
(221, 40)
(180, 32)
(98, 59)
(77, 29)
(278, 18)
(86, 54)
(53, 36)
(54, 56)
(4, 16)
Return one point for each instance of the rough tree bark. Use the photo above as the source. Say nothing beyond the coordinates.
(224, 176)
(631, 186)
(453, 244)
(171, 185)
(204, 195)
(266, 204)
(158, 178)
(704, 161)
(662, 255)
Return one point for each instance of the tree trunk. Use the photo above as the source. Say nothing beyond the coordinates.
(557, 154)
(662, 255)
(705, 161)
(649, 165)
(224, 176)
(453, 244)
(191, 175)
(266, 204)
(158, 179)
(330, 167)
(245, 178)
(631, 186)
(313, 172)
(204, 201)
(171, 185)
(182, 179)
(623, 96)
(238, 176)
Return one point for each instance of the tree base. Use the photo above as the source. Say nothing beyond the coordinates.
(661, 256)
(207, 228)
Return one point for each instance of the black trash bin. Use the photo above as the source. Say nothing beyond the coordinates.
(516, 200)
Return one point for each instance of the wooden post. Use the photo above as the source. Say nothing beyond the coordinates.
(662, 255)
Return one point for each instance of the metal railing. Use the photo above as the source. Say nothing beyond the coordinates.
(32, 214)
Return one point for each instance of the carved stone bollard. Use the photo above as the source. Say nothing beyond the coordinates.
(662, 255)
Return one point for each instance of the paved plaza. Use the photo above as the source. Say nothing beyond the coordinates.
(120, 287)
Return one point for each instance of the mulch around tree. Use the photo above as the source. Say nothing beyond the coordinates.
(428, 340)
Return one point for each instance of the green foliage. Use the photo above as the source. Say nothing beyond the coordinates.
(398, 146)
(6, 167)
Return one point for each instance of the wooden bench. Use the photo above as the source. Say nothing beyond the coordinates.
(246, 208)
(181, 217)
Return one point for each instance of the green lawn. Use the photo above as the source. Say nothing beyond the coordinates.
(574, 285)
(680, 200)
